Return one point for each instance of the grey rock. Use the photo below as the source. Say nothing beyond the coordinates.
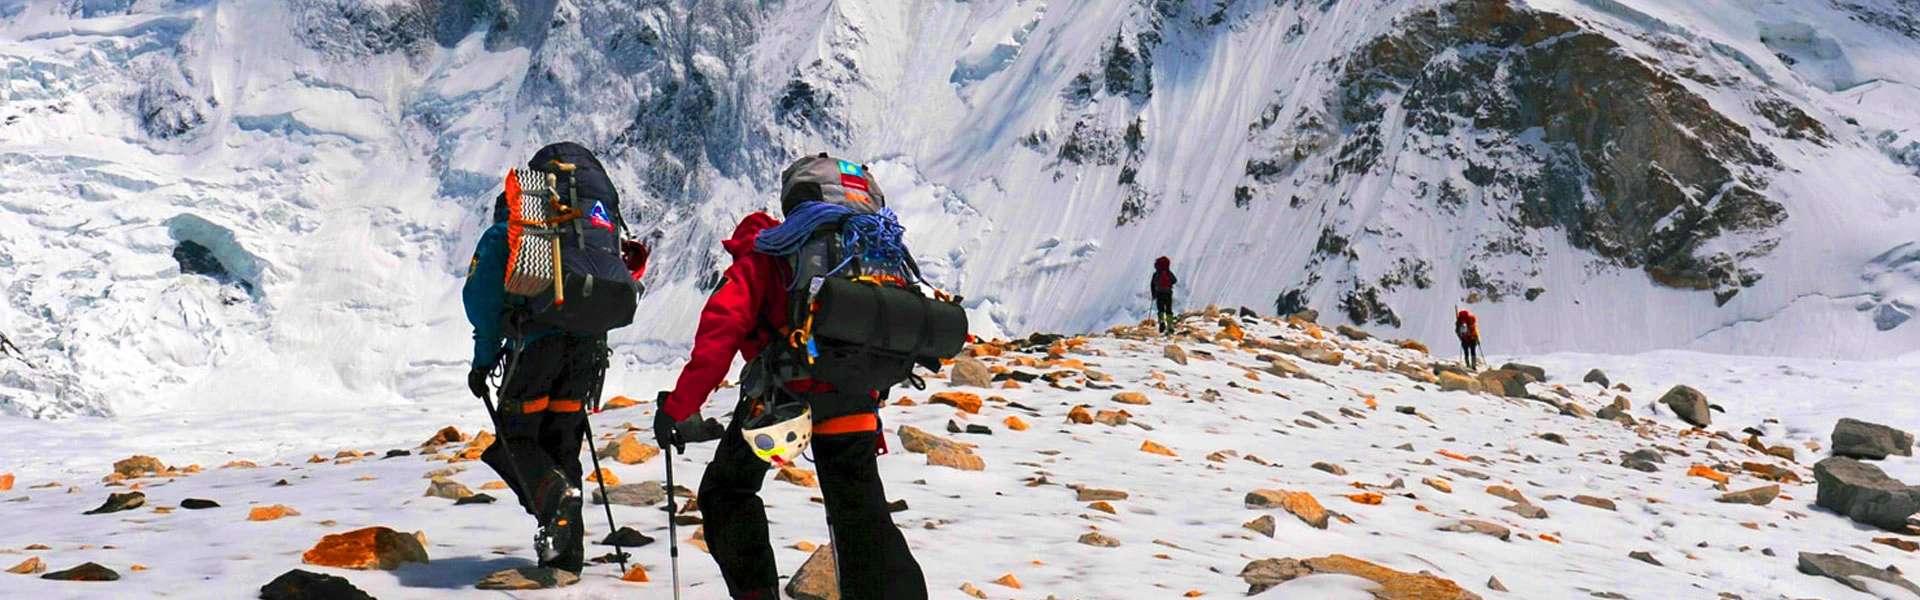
(1689, 404)
(1480, 527)
(633, 494)
(1599, 377)
(1099, 540)
(1262, 575)
(1554, 437)
(1330, 468)
(120, 502)
(1849, 572)
(1864, 493)
(1872, 441)
(527, 578)
(969, 371)
(1537, 373)
(307, 585)
(1176, 354)
(1760, 496)
(1530, 511)
(1645, 557)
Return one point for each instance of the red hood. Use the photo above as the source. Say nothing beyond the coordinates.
(747, 232)
(1163, 263)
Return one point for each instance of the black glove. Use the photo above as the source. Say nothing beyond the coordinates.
(477, 381)
(666, 431)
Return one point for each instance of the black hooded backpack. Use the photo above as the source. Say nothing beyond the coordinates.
(859, 323)
(563, 242)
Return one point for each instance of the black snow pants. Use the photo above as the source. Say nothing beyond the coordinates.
(541, 420)
(1163, 310)
(1472, 351)
(873, 560)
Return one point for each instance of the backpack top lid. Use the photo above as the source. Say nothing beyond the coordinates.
(822, 178)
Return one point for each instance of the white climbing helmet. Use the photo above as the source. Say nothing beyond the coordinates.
(780, 432)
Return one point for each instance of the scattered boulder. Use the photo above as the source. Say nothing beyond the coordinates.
(1176, 354)
(965, 402)
(446, 435)
(1099, 540)
(914, 439)
(1596, 502)
(1322, 356)
(1080, 416)
(1354, 333)
(969, 371)
(1300, 504)
(817, 579)
(1087, 494)
(1871, 441)
(1645, 557)
(1262, 575)
(301, 584)
(1512, 384)
(442, 487)
(85, 572)
(1849, 572)
(1760, 496)
(1263, 525)
(1134, 398)
(963, 460)
(138, 466)
(1643, 460)
(628, 450)
(367, 548)
(626, 537)
(198, 504)
(1279, 366)
(1330, 468)
(476, 499)
(527, 578)
(797, 476)
(1864, 493)
(271, 513)
(1597, 377)
(1689, 404)
(1455, 382)
(1527, 510)
(1506, 493)
(1537, 373)
(1480, 527)
(633, 494)
(31, 566)
(120, 502)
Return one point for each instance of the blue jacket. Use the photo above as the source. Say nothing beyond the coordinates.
(486, 299)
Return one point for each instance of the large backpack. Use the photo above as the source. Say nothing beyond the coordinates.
(860, 320)
(563, 243)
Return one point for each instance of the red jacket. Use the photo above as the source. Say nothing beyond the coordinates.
(741, 317)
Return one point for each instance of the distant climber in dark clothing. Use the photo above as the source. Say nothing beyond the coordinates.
(1162, 288)
(1468, 329)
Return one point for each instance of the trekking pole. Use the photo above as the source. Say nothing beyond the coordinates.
(673, 529)
(586, 427)
(606, 501)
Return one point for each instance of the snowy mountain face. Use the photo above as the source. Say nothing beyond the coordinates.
(226, 204)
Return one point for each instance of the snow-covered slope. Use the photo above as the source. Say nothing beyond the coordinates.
(1591, 175)
(1179, 529)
